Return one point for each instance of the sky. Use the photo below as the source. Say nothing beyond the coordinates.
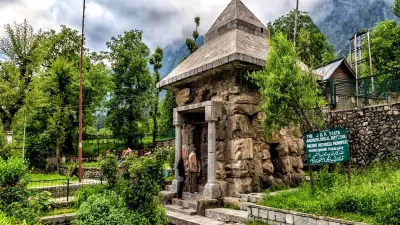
(162, 21)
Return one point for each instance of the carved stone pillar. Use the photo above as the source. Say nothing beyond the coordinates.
(178, 123)
(212, 188)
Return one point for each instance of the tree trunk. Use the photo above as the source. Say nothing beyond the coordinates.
(155, 127)
(295, 22)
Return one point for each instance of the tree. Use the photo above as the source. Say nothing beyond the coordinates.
(290, 95)
(191, 43)
(167, 108)
(156, 62)
(385, 47)
(312, 46)
(132, 79)
(58, 86)
(24, 50)
(396, 8)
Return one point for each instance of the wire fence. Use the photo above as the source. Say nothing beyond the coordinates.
(63, 190)
(371, 90)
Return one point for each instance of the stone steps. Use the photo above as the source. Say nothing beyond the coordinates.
(245, 205)
(252, 197)
(181, 210)
(227, 215)
(185, 203)
(191, 196)
(181, 219)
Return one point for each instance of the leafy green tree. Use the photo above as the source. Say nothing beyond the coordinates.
(133, 81)
(385, 47)
(191, 43)
(312, 46)
(396, 8)
(58, 87)
(156, 62)
(24, 49)
(167, 109)
(290, 95)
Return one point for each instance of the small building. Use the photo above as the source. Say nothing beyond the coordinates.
(218, 114)
(338, 83)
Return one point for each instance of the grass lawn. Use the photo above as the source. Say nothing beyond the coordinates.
(61, 211)
(372, 197)
(52, 179)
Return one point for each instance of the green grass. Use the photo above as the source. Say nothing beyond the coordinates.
(372, 197)
(53, 179)
(61, 211)
(231, 206)
(256, 223)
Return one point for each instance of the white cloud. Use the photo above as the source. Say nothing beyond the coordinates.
(162, 21)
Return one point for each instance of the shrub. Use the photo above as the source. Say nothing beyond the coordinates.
(105, 209)
(109, 169)
(84, 193)
(12, 171)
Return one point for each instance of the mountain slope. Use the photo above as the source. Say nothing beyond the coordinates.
(340, 19)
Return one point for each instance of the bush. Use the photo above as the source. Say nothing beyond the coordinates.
(106, 209)
(84, 193)
(12, 171)
(109, 169)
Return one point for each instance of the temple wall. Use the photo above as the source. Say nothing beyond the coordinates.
(246, 162)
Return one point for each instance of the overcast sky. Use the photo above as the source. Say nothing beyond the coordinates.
(162, 21)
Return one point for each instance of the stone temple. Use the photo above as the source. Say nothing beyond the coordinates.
(218, 114)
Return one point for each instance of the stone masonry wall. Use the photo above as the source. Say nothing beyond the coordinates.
(246, 162)
(286, 217)
(374, 132)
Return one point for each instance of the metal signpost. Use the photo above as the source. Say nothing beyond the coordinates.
(327, 147)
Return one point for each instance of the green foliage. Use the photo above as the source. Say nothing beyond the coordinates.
(24, 49)
(191, 43)
(109, 169)
(84, 193)
(15, 199)
(396, 8)
(312, 46)
(372, 196)
(290, 95)
(156, 62)
(5, 220)
(12, 171)
(256, 223)
(385, 47)
(167, 109)
(132, 92)
(105, 209)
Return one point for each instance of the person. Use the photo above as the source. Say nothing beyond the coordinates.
(193, 170)
(181, 178)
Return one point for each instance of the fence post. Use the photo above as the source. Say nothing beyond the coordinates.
(101, 180)
(67, 190)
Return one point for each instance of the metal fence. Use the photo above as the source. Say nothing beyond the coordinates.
(371, 90)
(62, 190)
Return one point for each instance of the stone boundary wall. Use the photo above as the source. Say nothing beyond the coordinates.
(166, 143)
(285, 217)
(373, 131)
(87, 173)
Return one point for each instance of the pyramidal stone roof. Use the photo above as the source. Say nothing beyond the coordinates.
(237, 35)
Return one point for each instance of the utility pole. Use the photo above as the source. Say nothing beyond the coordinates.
(296, 18)
(81, 98)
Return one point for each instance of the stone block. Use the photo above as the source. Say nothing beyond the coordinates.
(333, 223)
(244, 109)
(266, 155)
(271, 215)
(255, 211)
(268, 167)
(242, 149)
(245, 98)
(263, 213)
(184, 96)
(289, 219)
(322, 222)
(303, 220)
(284, 165)
(239, 126)
(280, 217)
(282, 149)
(234, 90)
